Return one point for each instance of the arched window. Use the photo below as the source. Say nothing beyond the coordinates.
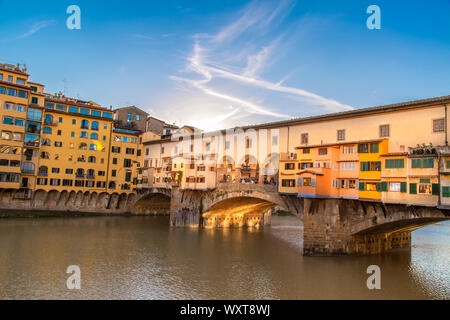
(92, 146)
(112, 185)
(84, 134)
(84, 124)
(94, 136)
(47, 130)
(82, 146)
(45, 155)
(43, 171)
(91, 174)
(79, 173)
(92, 159)
(94, 125)
(48, 119)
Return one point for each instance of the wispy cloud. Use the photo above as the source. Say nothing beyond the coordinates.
(237, 56)
(36, 27)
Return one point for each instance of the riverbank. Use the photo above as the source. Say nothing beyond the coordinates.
(9, 213)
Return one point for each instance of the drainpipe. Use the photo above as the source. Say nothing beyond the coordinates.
(439, 163)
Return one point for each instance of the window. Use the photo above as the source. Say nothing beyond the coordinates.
(127, 163)
(114, 161)
(115, 149)
(17, 136)
(394, 163)
(34, 114)
(60, 107)
(94, 125)
(84, 124)
(84, 134)
(128, 176)
(422, 163)
(446, 192)
(10, 78)
(20, 81)
(34, 100)
(323, 151)
(307, 182)
(374, 148)
(59, 132)
(82, 146)
(348, 149)
(375, 166)
(19, 122)
(384, 130)
(55, 170)
(7, 120)
(93, 147)
(6, 135)
(58, 144)
(438, 125)
(289, 166)
(96, 113)
(73, 109)
(129, 151)
(306, 151)
(113, 173)
(69, 171)
(74, 121)
(425, 188)
(341, 135)
(288, 183)
(304, 138)
(363, 148)
(94, 136)
(371, 186)
(394, 186)
(138, 117)
(348, 165)
(47, 130)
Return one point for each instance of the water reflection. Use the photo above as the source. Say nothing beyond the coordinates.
(142, 258)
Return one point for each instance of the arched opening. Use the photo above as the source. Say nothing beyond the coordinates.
(153, 203)
(238, 212)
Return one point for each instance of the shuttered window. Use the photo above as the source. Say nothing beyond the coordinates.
(403, 187)
(394, 163)
(446, 192)
(413, 188)
(422, 163)
(435, 189)
(384, 186)
(374, 148)
(361, 186)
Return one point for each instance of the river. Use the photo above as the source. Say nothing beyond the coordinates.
(142, 258)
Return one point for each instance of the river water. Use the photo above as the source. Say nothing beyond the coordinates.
(142, 258)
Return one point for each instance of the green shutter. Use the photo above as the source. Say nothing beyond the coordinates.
(374, 148)
(401, 163)
(435, 189)
(403, 187)
(388, 164)
(416, 163)
(384, 186)
(446, 192)
(361, 186)
(378, 186)
(413, 188)
(428, 163)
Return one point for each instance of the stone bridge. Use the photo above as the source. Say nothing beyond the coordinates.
(331, 226)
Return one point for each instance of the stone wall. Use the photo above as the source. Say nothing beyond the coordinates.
(337, 226)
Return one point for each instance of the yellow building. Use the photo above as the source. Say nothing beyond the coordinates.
(370, 184)
(14, 100)
(125, 158)
(74, 148)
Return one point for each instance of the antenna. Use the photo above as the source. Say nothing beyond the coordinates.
(65, 86)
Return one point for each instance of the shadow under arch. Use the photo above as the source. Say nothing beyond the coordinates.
(238, 212)
(153, 204)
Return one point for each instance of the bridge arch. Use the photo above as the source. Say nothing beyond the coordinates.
(151, 202)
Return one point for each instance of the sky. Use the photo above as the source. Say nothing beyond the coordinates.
(219, 64)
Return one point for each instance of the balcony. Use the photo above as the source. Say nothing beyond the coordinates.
(90, 176)
(79, 175)
(43, 173)
(27, 170)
